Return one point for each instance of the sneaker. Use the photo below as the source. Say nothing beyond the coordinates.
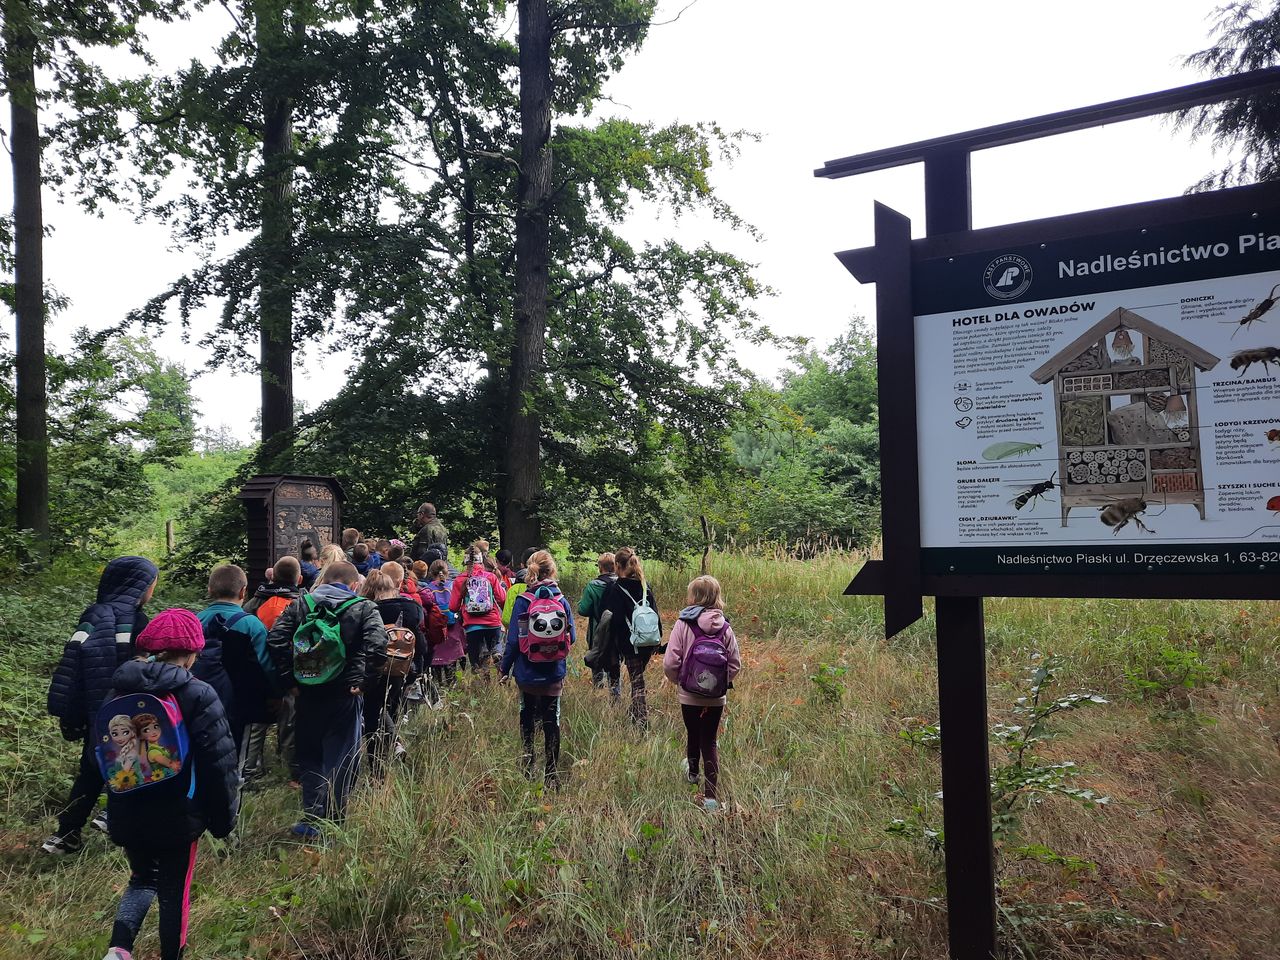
(305, 831)
(118, 953)
(711, 806)
(100, 822)
(690, 776)
(67, 843)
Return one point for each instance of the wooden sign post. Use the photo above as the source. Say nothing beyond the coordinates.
(999, 361)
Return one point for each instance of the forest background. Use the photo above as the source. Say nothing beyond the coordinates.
(352, 177)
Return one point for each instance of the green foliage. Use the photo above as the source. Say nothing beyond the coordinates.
(114, 408)
(811, 455)
(1174, 669)
(1246, 36)
(828, 683)
(1020, 778)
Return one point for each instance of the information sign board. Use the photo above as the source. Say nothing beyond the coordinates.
(1102, 404)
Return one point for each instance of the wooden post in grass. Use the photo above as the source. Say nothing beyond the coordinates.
(168, 537)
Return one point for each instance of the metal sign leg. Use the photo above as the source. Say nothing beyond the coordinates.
(966, 778)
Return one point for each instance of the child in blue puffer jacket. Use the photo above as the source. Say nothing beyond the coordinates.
(537, 652)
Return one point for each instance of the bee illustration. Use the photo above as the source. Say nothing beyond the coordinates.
(1273, 435)
(1033, 493)
(1254, 315)
(1243, 360)
(1116, 515)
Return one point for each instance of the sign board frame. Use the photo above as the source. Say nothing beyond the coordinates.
(899, 577)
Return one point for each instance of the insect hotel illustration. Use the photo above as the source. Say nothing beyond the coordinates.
(1125, 396)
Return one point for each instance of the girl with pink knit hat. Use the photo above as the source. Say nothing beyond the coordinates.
(191, 787)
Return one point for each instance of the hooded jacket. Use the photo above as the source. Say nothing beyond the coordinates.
(363, 635)
(544, 678)
(157, 818)
(711, 621)
(102, 641)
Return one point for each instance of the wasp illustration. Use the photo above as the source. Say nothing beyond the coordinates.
(1254, 315)
(1243, 360)
(1116, 515)
(1033, 493)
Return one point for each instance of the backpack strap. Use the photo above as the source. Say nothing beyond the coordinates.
(644, 595)
(232, 620)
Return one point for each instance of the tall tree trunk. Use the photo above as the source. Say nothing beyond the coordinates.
(29, 308)
(275, 276)
(523, 481)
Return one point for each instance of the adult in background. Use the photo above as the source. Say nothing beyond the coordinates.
(431, 539)
(592, 607)
(623, 599)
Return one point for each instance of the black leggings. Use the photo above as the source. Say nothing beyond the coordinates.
(702, 724)
(163, 875)
(536, 708)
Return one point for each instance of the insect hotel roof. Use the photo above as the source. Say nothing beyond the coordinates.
(1115, 320)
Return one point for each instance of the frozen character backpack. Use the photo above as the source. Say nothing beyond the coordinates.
(478, 594)
(646, 628)
(401, 645)
(545, 638)
(319, 654)
(704, 672)
(140, 741)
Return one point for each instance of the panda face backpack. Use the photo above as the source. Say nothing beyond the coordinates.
(545, 638)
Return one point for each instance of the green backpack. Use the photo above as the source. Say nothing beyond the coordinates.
(319, 654)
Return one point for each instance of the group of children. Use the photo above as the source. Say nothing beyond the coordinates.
(173, 713)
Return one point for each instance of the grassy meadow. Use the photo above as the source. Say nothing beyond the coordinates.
(827, 846)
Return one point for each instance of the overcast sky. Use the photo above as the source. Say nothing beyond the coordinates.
(817, 79)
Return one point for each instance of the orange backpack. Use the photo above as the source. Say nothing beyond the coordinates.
(271, 610)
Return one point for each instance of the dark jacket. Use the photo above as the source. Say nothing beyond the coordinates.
(591, 605)
(235, 663)
(546, 678)
(618, 600)
(409, 614)
(430, 542)
(162, 815)
(363, 636)
(269, 591)
(309, 574)
(102, 641)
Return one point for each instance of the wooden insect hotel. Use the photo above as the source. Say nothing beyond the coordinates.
(1125, 399)
(282, 512)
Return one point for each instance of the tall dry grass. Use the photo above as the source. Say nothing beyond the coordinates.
(456, 854)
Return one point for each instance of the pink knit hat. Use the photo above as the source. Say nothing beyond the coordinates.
(172, 629)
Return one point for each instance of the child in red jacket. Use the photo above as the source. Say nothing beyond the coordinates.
(478, 596)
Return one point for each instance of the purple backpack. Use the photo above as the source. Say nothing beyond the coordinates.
(705, 669)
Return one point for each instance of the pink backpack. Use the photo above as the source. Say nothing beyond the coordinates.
(545, 637)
